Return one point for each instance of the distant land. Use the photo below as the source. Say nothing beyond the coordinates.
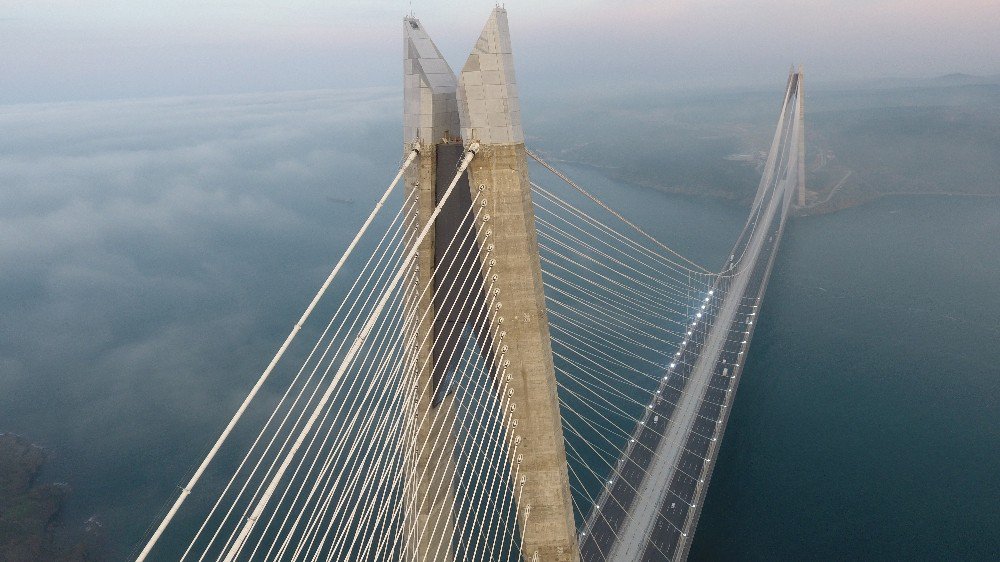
(29, 512)
(864, 140)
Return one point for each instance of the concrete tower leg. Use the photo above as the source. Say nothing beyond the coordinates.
(490, 113)
(428, 445)
(430, 118)
(546, 509)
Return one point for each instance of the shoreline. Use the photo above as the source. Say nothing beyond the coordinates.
(827, 209)
(828, 206)
(31, 512)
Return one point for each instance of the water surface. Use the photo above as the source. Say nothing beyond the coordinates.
(866, 424)
(154, 254)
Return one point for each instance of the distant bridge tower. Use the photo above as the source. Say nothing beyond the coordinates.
(801, 139)
(484, 107)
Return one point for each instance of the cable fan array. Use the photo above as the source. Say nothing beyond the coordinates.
(629, 321)
(333, 471)
(619, 317)
(358, 456)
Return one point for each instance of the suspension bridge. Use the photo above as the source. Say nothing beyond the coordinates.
(495, 369)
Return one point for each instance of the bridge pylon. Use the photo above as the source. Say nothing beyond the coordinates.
(431, 125)
(800, 138)
(491, 116)
(481, 106)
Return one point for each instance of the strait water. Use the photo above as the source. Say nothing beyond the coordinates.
(867, 424)
(154, 254)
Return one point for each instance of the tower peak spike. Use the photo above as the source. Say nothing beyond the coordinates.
(429, 87)
(487, 96)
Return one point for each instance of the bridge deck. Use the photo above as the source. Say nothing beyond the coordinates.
(644, 514)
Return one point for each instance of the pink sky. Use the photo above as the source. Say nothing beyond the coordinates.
(59, 50)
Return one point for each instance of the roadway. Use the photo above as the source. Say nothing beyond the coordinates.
(644, 513)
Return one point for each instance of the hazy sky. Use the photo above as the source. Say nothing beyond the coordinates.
(65, 49)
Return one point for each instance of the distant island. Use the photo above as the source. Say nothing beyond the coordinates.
(29, 512)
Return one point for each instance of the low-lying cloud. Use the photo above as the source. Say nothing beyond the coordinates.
(152, 255)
